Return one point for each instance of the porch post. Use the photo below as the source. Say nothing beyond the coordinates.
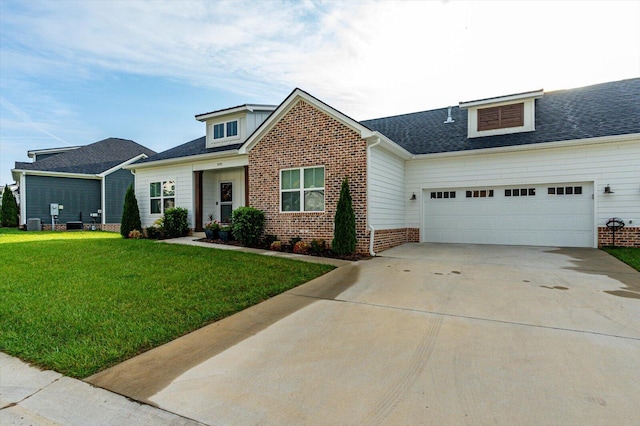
(246, 185)
(198, 201)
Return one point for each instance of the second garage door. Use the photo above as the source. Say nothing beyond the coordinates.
(558, 215)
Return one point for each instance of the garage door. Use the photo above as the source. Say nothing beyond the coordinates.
(539, 215)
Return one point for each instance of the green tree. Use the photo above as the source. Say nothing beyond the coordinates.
(130, 214)
(9, 209)
(344, 234)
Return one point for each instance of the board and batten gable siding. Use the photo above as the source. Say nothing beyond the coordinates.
(182, 174)
(80, 197)
(254, 119)
(115, 186)
(612, 163)
(386, 187)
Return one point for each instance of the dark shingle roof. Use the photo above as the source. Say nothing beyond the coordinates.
(600, 110)
(194, 147)
(95, 158)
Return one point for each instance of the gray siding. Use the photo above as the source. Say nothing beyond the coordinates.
(77, 195)
(116, 185)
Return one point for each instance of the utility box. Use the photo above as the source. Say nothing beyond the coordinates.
(34, 224)
(55, 209)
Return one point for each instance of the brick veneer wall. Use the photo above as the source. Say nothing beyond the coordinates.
(110, 227)
(625, 237)
(307, 137)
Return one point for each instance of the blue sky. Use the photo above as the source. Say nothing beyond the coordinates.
(75, 72)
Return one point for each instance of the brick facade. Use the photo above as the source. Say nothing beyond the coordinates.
(625, 237)
(109, 227)
(387, 238)
(307, 137)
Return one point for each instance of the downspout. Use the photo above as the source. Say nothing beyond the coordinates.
(103, 189)
(373, 230)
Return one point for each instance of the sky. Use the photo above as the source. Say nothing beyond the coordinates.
(76, 72)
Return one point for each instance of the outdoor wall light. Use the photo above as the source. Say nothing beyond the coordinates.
(607, 190)
(413, 197)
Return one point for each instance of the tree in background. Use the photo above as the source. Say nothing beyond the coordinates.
(9, 209)
(130, 214)
(344, 234)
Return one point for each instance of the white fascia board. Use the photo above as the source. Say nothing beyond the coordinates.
(535, 94)
(33, 152)
(55, 174)
(242, 108)
(390, 146)
(189, 159)
(533, 146)
(121, 165)
(288, 103)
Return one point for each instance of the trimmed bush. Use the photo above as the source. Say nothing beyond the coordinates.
(318, 246)
(130, 214)
(9, 209)
(248, 224)
(301, 247)
(176, 222)
(275, 246)
(344, 234)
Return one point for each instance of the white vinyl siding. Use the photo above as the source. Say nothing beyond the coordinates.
(183, 177)
(387, 196)
(616, 164)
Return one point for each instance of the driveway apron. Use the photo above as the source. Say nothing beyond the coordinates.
(423, 334)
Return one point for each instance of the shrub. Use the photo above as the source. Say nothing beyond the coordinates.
(176, 222)
(268, 239)
(275, 246)
(318, 246)
(135, 234)
(301, 247)
(294, 240)
(248, 224)
(9, 209)
(130, 214)
(344, 236)
(154, 232)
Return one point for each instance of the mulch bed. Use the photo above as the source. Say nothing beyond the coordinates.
(288, 249)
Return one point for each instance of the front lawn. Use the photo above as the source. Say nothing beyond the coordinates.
(629, 255)
(79, 302)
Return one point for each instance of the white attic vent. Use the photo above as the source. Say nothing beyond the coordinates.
(449, 118)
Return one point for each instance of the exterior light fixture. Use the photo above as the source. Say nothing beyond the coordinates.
(607, 190)
(413, 197)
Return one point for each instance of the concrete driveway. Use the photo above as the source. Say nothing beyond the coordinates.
(424, 334)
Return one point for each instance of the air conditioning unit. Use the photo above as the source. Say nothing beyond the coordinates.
(34, 224)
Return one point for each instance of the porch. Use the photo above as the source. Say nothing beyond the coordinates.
(217, 193)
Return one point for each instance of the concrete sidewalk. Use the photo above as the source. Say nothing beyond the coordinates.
(30, 396)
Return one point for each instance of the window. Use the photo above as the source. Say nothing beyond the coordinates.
(564, 190)
(443, 194)
(225, 130)
(302, 190)
(480, 193)
(226, 201)
(501, 117)
(162, 195)
(520, 192)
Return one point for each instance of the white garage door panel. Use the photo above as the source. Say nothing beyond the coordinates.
(542, 219)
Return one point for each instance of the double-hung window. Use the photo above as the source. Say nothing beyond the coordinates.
(302, 190)
(162, 196)
(225, 130)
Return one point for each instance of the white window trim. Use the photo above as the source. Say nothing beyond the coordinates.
(301, 190)
(162, 196)
(224, 127)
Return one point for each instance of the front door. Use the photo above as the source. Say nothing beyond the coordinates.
(226, 201)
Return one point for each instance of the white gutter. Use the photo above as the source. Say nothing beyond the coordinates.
(55, 174)
(532, 147)
(373, 231)
(187, 159)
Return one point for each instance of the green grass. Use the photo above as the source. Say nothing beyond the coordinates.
(629, 255)
(79, 302)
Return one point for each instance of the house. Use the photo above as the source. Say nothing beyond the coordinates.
(88, 183)
(534, 168)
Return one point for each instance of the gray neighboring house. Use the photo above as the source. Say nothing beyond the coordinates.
(89, 182)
